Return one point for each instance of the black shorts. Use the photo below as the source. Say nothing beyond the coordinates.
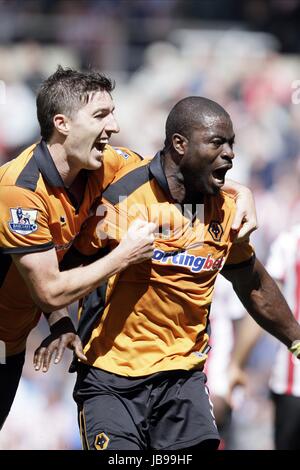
(287, 422)
(164, 411)
(10, 374)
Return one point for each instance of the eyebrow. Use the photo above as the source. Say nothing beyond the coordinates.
(221, 137)
(101, 110)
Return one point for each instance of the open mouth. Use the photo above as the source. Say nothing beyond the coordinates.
(98, 150)
(100, 146)
(220, 173)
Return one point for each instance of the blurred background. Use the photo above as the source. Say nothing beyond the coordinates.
(244, 55)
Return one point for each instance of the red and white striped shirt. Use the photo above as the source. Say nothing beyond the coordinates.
(284, 266)
(226, 307)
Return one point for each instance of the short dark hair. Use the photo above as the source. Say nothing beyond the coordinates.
(65, 92)
(189, 113)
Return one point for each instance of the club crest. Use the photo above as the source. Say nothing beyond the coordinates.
(23, 221)
(101, 441)
(216, 230)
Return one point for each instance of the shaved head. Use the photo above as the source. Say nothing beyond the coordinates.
(190, 113)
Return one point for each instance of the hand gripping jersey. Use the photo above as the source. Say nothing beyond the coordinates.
(153, 316)
(284, 266)
(37, 213)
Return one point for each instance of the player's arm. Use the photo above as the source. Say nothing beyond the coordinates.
(262, 298)
(52, 289)
(247, 333)
(245, 220)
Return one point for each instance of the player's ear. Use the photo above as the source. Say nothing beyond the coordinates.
(61, 124)
(179, 143)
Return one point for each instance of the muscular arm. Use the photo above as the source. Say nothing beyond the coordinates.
(262, 298)
(52, 289)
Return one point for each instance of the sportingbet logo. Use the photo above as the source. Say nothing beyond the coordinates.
(193, 263)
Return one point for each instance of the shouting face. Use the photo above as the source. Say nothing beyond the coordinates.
(89, 131)
(207, 155)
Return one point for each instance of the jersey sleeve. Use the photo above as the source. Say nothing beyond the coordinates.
(240, 254)
(114, 159)
(23, 221)
(274, 265)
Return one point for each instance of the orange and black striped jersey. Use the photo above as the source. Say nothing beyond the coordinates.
(37, 213)
(154, 316)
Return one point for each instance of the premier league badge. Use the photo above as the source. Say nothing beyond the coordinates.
(23, 221)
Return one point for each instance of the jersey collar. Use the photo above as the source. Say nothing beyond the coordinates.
(46, 165)
(157, 170)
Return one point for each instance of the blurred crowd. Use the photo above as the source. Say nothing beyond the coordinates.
(242, 70)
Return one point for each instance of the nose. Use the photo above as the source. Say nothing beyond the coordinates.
(112, 126)
(227, 151)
